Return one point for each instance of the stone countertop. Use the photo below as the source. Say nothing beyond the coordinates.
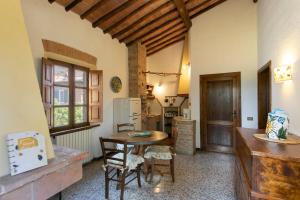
(63, 157)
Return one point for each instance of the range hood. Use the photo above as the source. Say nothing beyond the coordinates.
(185, 70)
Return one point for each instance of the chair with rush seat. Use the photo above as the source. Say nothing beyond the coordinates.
(118, 164)
(162, 151)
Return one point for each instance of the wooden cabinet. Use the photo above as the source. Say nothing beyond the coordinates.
(265, 170)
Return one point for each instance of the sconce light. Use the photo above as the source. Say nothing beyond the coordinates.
(160, 83)
(159, 88)
(283, 73)
(186, 66)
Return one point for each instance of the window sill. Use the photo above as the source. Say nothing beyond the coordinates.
(73, 130)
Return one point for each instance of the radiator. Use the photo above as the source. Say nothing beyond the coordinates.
(81, 140)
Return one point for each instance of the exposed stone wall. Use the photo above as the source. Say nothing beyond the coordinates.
(137, 79)
(186, 143)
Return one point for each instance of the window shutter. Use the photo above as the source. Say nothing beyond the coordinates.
(47, 90)
(95, 96)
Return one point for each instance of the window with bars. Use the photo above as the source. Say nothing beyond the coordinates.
(72, 95)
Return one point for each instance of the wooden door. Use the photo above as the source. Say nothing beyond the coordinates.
(220, 111)
(264, 94)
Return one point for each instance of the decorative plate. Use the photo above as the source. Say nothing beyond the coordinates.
(140, 134)
(116, 84)
(291, 139)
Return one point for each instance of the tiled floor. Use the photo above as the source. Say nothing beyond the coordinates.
(207, 176)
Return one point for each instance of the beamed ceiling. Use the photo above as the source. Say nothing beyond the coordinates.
(155, 23)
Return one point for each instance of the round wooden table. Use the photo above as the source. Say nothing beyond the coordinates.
(155, 137)
(139, 142)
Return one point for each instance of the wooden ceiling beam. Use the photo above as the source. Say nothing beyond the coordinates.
(111, 13)
(180, 5)
(151, 23)
(72, 5)
(165, 42)
(195, 3)
(159, 31)
(122, 20)
(131, 26)
(165, 33)
(200, 6)
(207, 7)
(170, 21)
(93, 8)
(51, 1)
(166, 37)
(153, 51)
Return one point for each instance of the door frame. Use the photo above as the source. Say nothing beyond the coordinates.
(267, 66)
(203, 78)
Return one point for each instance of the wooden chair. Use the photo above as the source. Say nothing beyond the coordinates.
(166, 150)
(118, 165)
(125, 127)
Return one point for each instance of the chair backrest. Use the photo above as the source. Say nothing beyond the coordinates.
(174, 136)
(109, 150)
(125, 127)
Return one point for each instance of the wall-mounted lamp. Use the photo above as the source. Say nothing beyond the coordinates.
(159, 88)
(160, 83)
(283, 73)
(186, 66)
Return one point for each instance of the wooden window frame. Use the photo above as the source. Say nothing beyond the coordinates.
(71, 86)
(86, 70)
(94, 97)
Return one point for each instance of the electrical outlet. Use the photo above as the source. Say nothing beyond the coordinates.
(250, 118)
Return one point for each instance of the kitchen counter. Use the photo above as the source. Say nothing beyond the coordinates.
(186, 139)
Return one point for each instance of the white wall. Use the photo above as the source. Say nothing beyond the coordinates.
(279, 41)
(50, 21)
(224, 39)
(21, 108)
(167, 60)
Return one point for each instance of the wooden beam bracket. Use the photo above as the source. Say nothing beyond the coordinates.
(180, 5)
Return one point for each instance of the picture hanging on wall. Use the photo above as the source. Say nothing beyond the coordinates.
(116, 84)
